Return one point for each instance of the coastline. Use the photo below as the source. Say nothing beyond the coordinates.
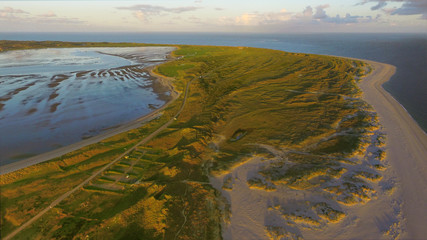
(406, 147)
(396, 212)
(158, 79)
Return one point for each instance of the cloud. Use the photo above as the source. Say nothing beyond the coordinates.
(345, 20)
(12, 10)
(48, 15)
(380, 5)
(10, 13)
(248, 19)
(408, 7)
(254, 19)
(58, 20)
(320, 12)
(412, 8)
(144, 11)
(308, 12)
(309, 16)
(140, 15)
(18, 16)
(388, 11)
(158, 9)
(219, 9)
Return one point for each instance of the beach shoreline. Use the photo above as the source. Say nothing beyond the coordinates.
(395, 213)
(406, 148)
(158, 81)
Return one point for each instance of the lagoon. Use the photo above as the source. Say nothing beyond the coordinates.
(54, 97)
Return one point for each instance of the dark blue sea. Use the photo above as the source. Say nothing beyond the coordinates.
(408, 52)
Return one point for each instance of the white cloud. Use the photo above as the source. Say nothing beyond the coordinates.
(248, 19)
(12, 10)
(348, 19)
(308, 12)
(18, 16)
(144, 11)
(140, 16)
(320, 12)
(306, 17)
(253, 19)
(11, 13)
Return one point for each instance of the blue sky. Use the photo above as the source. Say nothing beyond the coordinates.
(277, 16)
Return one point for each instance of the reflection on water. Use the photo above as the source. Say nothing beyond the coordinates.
(54, 97)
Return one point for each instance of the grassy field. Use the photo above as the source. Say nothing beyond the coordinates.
(6, 45)
(240, 98)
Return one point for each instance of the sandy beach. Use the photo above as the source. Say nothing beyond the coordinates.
(397, 209)
(406, 149)
(165, 82)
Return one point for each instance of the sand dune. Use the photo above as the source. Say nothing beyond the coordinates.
(396, 209)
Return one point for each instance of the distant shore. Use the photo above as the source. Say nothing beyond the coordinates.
(159, 81)
(406, 147)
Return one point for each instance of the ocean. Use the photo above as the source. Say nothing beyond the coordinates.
(408, 52)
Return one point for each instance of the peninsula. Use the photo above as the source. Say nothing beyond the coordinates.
(255, 144)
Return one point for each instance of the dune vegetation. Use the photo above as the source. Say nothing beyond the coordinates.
(240, 101)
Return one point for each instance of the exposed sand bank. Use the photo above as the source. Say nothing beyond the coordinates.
(159, 80)
(397, 208)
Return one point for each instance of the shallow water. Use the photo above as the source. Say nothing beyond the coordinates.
(54, 97)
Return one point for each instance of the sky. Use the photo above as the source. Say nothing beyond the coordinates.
(266, 16)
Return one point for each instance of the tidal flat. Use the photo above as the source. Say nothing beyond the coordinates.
(55, 97)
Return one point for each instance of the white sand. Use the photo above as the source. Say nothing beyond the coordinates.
(406, 149)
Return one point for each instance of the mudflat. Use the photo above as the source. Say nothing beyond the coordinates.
(165, 82)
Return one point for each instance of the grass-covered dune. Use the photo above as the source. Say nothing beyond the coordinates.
(239, 99)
